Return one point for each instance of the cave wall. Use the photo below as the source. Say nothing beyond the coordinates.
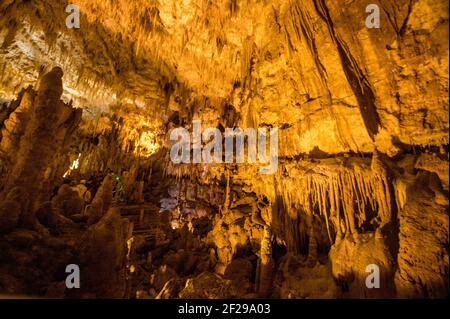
(362, 117)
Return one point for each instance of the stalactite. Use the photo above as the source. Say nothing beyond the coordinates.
(343, 196)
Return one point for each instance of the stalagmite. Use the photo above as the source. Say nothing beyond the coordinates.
(104, 193)
(13, 130)
(341, 197)
(37, 147)
(89, 168)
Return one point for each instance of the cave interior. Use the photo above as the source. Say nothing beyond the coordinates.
(92, 90)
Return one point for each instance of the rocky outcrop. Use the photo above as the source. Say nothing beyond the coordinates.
(38, 238)
(351, 264)
(423, 264)
(49, 117)
(14, 128)
(296, 280)
(67, 202)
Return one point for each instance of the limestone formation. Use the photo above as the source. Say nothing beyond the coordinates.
(67, 201)
(9, 215)
(37, 145)
(359, 195)
(103, 256)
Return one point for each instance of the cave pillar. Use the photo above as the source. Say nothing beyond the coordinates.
(312, 244)
(382, 191)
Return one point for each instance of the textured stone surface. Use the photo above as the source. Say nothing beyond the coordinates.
(363, 146)
(9, 215)
(207, 286)
(103, 256)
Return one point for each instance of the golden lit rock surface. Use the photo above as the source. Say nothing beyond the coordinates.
(86, 176)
